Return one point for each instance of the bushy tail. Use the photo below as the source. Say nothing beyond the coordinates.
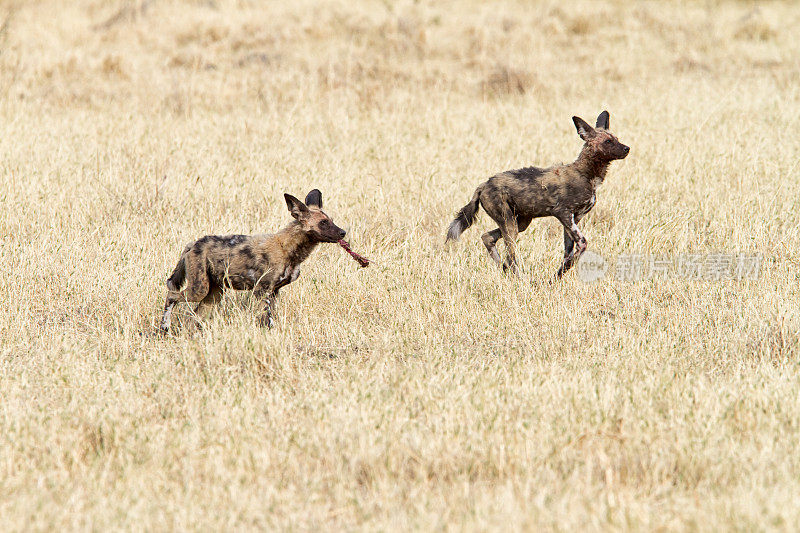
(465, 217)
(175, 281)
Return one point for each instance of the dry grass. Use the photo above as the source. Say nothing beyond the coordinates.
(428, 392)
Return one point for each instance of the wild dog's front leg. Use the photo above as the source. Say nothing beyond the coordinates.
(295, 274)
(568, 245)
(267, 296)
(270, 297)
(574, 247)
(568, 242)
(289, 276)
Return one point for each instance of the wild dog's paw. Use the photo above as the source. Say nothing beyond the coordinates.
(166, 320)
(266, 321)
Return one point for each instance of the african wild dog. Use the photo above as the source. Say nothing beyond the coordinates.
(261, 263)
(567, 192)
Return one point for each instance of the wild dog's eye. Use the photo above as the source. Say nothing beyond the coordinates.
(324, 224)
(608, 141)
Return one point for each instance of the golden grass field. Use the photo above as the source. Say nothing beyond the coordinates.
(429, 391)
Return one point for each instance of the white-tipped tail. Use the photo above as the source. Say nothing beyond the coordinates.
(455, 230)
(465, 216)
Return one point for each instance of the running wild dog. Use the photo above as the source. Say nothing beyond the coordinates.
(261, 263)
(567, 192)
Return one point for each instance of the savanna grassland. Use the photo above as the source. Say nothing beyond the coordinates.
(427, 391)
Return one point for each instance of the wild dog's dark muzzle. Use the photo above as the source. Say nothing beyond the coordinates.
(335, 234)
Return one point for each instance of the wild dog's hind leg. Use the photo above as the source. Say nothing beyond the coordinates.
(211, 299)
(522, 224)
(490, 239)
(572, 232)
(196, 290)
(509, 231)
(172, 298)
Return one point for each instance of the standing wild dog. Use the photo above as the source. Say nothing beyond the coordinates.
(567, 192)
(261, 263)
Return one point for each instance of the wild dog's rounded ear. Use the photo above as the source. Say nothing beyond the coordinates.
(314, 198)
(584, 129)
(296, 207)
(602, 120)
